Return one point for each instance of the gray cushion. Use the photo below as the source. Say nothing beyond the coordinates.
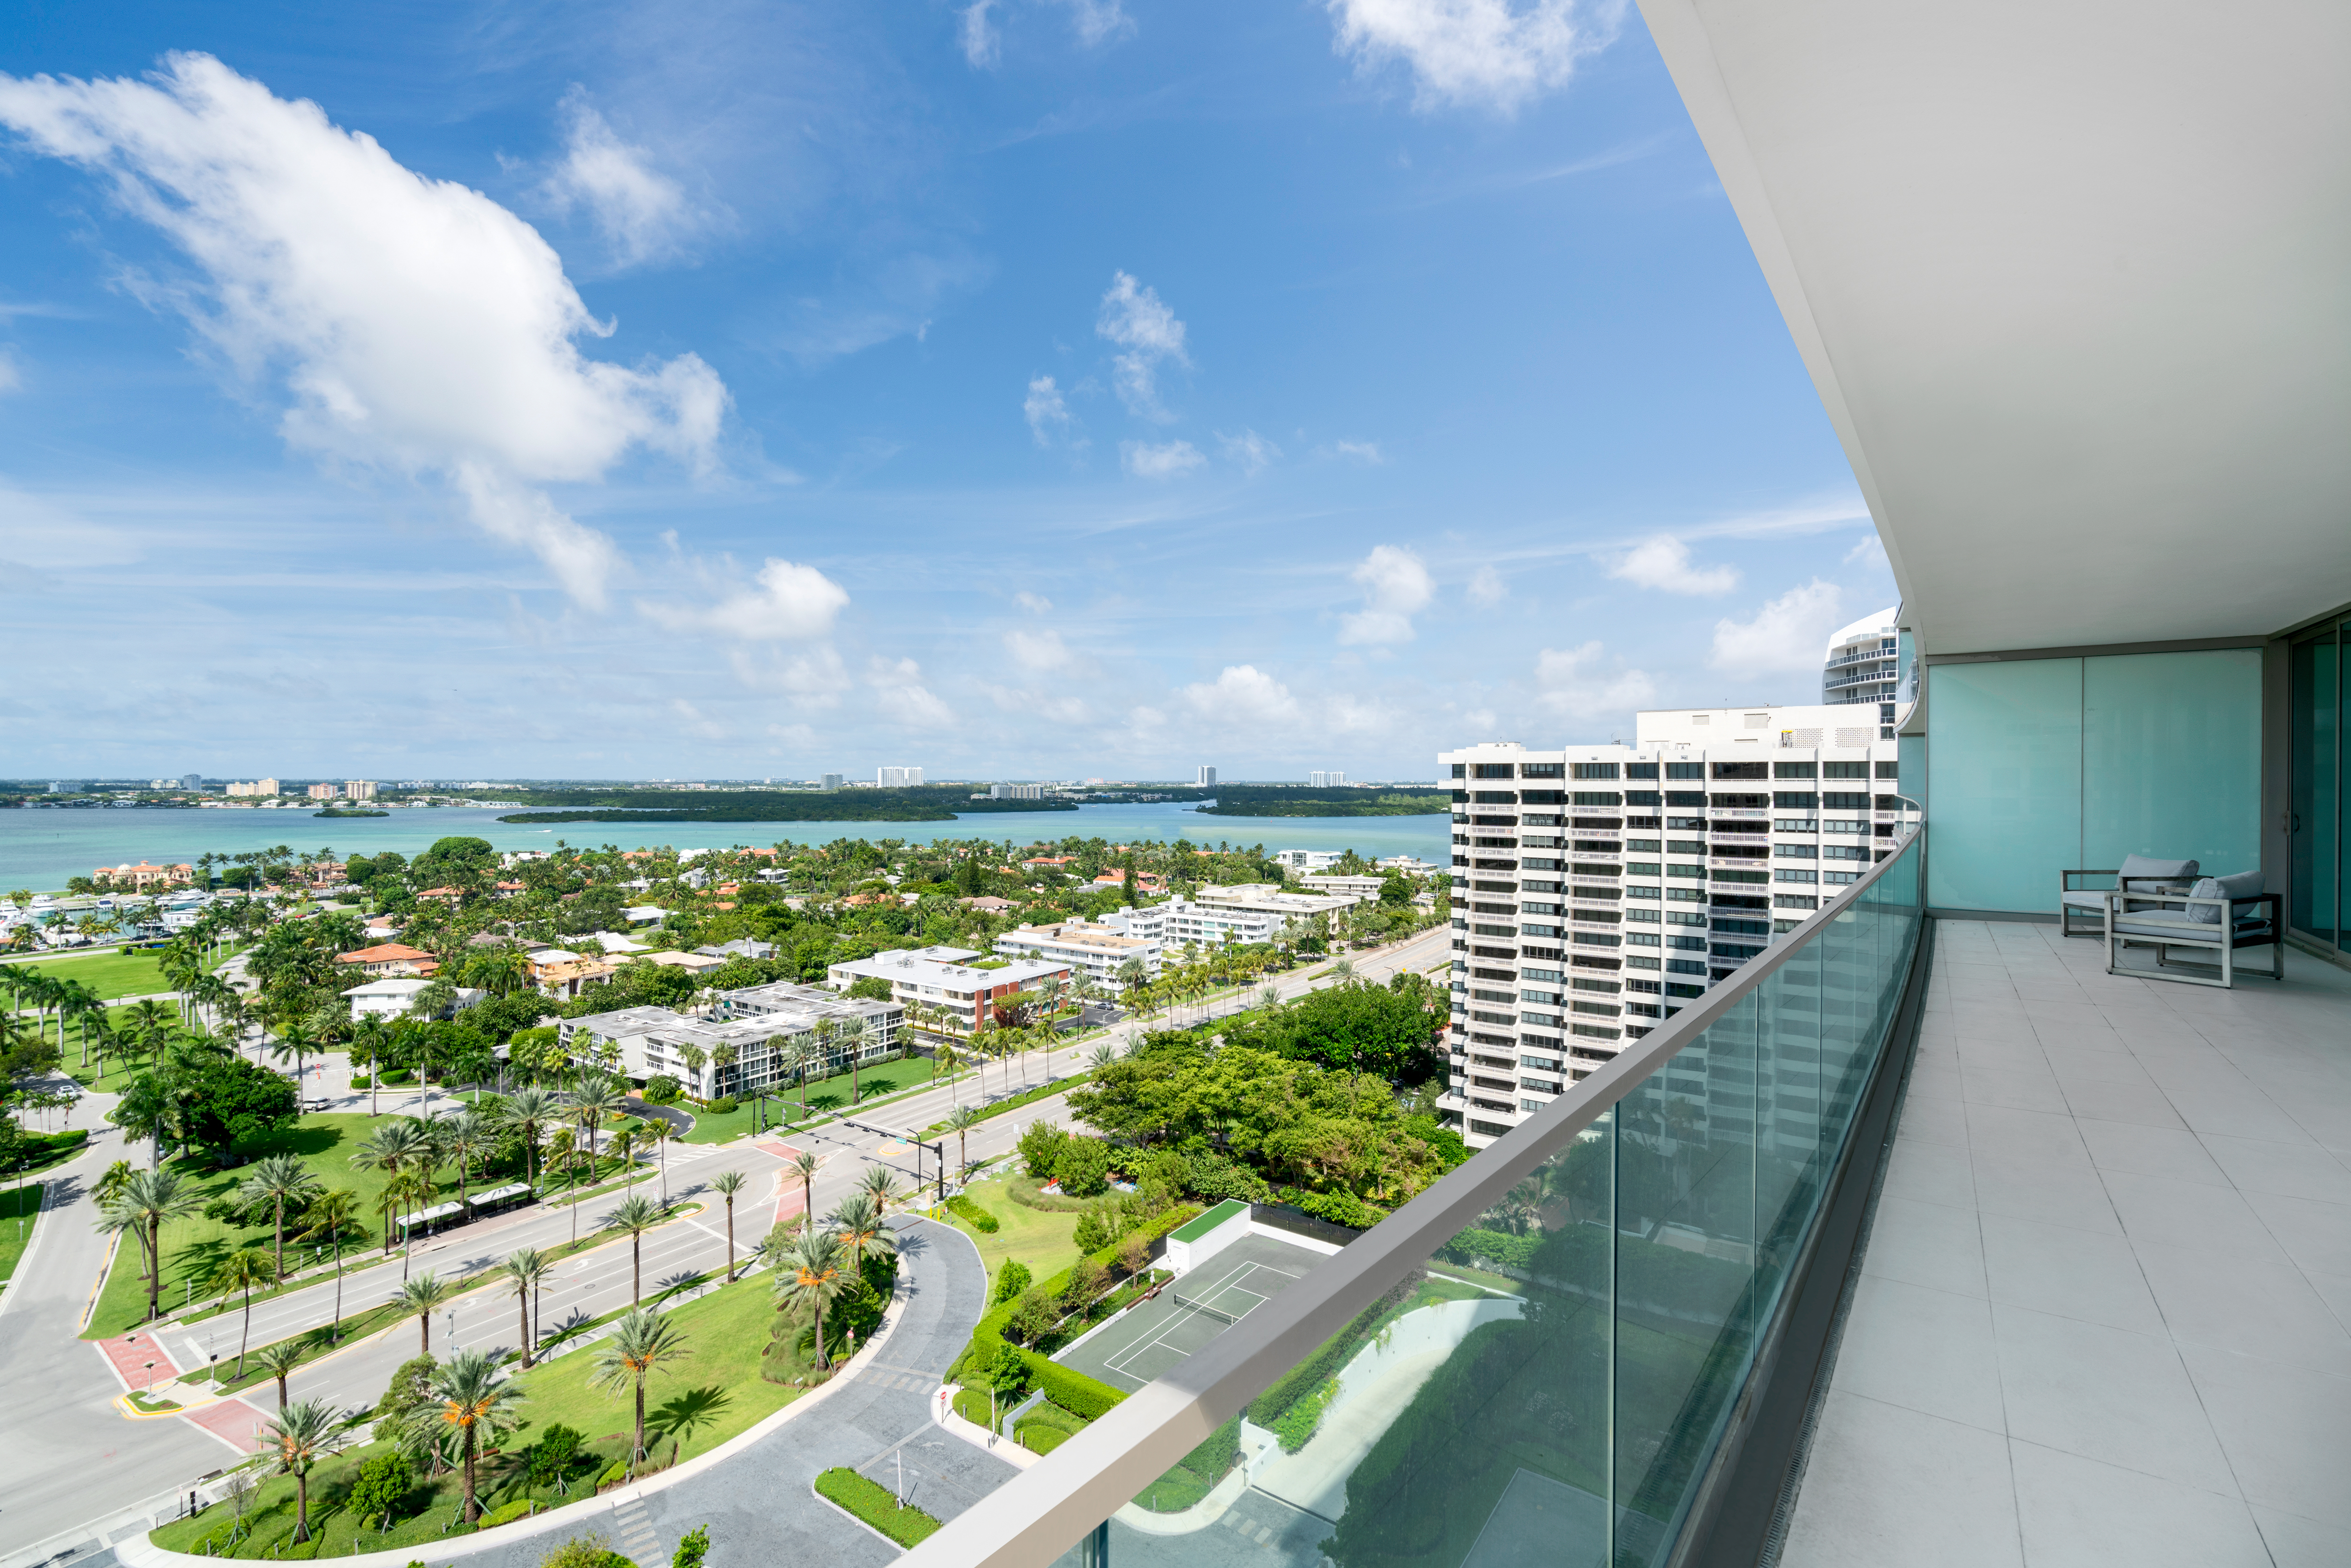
(2084, 900)
(2245, 884)
(2141, 874)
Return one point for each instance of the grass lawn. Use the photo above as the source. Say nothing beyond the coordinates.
(193, 1246)
(19, 1205)
(716, 1394)
(825, 1096)
(1043, 1241)
(111, 974)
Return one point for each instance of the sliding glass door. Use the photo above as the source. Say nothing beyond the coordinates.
(2317, 820)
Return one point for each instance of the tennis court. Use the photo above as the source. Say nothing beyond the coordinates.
(1158, 1335)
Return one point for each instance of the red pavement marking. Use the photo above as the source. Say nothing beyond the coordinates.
(793, 1200)
(130, 1354)
(235, 1421)
(781, 1151)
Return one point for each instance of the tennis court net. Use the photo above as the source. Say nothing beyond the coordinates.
(1206, 1310)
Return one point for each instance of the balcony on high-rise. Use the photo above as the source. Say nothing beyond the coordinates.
(1941, 1228)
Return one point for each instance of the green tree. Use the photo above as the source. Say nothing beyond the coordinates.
(526, 1270)
(242, 1270)
(692, 1549)
(420, 1298)
(640, 1344)
(327, 1215)
(858, 1226)
(278, 1180)
(726, 1184)
(811, 1274)
(1041, 1148)
(528, 1111)
(960, 1121)
(143, 1202)
(295, 1440)
(383, 1481)
(279, 1361)
(632, 1218)
(468, 1404)
(1083, 1167)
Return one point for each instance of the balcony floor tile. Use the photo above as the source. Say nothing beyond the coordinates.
(2164, 1251)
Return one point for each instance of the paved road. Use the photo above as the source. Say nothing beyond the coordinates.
(67, 1456)
(758, 1504)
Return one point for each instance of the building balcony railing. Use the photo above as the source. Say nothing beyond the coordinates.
(1604, 1289)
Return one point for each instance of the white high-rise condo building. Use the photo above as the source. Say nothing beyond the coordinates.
(1325, 780)
(1597, 889)
(1867, 664)
(896, 777)
(1207, 778)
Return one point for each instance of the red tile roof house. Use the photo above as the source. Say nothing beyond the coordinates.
(391, 959)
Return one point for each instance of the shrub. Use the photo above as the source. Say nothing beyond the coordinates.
(613, 1474)
(1083, 1167)
(724, 1106)
(661, 1089)
(382, 1482)
(1008, 1373)
(1040, 1149)
(874, 1503)
(519, 1509)
(1133, 1255)
(692, 1547)
(400, 1075)
(579, 1551)
(553, 1455)
(361, 1080)
(1213, 1175)
(1338, 1207)
(1040, 1437)
(1034, 1314)
(980, 1218)
(1088, 1280)
(1010, 1280)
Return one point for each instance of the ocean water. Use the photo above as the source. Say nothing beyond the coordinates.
(39, 849)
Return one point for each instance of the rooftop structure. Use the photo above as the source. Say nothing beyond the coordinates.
(955, 993)
(1097, 951)
(390, 958)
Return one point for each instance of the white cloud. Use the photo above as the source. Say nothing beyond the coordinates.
(1248, 449)
(1577, 683)
(694, 719)
(816, 679)
(1352, 715)
(791, 603)
(1395, 587)
(1493, 54)
(1047, 411)
(1787, 635)
(1038, 650)
(1147, 462)
(900, 696)
(1035, 603)
(1869, 552)
(1487, 587)
(1368, 451)
(11, 376)
(1135, 318)
(641, 212)
(1098, 21)
(981, 42)
(1243, 694)
(417, 325)
(1664, 563)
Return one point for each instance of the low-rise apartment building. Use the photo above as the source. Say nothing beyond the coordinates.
(1247, 912)
(1097, 951)
(395, 997)
(957, 981)
(768, 1036)
(1597, 889)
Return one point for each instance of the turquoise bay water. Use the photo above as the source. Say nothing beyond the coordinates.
(39, 849)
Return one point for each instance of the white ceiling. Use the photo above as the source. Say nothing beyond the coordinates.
(2073, 279)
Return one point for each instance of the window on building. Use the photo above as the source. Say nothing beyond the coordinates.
(1740, 770)
(1596, 770)
(1844, 769)
(1684, 769)
(1640, 770)
(1538, 770)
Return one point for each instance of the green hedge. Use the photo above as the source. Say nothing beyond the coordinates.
(519, 1509)
(1499, 1245)
(980, 1220)
(1301, 1381)
(1043, 1090)
(876, 1505)
(1072, 1391)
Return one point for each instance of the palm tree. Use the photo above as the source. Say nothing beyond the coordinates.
(527, 1269)
(529, 1110)
(145, 1200)
(857, 1224)
(326, 1216)
(242, 1270)
(632, 1217)
(392, 1148)
(693, 1056)
(277, 1180)
(849, 1032)
(961, 1120)
(809, 1274)
(593, 1098)
(295, 1439)
(722, 1057)
(806, 1163)
(726, 1184)
(419, 1298)
(279, 1361)
(879, 1184)
(468, 1403)
(369, 1041)
(656, 1132)
(640, 1343)
(624, 1144)
(466, 1137)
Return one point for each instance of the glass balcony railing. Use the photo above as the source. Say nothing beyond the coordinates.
(1538, 1359)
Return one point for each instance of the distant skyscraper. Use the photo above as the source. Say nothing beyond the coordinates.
(191, 781)
(897, 777)
(831, 781)
(358, 790)
(1326, 780)
(1865, 665)
(1208, 777)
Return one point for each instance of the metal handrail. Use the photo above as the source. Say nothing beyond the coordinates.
(1041, 1512)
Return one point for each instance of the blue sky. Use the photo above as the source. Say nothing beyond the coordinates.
(1040, 388)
